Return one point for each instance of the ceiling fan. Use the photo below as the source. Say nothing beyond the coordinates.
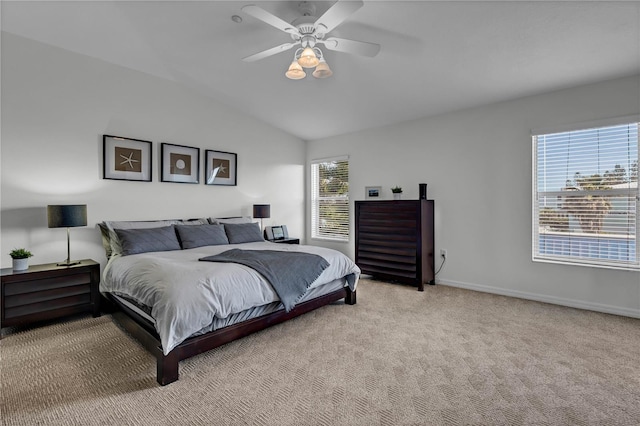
(309, 32)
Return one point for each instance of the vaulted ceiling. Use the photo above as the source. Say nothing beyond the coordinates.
(436, 56)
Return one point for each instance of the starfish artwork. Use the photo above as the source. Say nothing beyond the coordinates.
(223, 167)
(129, 160)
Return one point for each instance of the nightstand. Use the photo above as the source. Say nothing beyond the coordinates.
(48, 291)
(287, 241)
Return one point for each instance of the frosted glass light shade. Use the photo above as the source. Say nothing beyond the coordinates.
(295, 71)
(322, 70)
(308, 58)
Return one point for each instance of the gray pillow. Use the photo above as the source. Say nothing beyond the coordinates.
(243, 232)
(134, 241)
(114, 241)
(192, 236)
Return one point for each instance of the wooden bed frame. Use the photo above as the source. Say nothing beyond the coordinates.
(167, 365)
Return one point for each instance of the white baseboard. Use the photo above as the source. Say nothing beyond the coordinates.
(598, 307)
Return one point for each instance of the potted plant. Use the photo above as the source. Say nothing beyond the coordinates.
(397, 192)
(20, 259)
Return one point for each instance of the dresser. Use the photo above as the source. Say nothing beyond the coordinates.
(48, 291)
(394, 240)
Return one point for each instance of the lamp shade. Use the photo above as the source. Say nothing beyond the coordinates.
(262, 211)
(322, 70)
(67, 216)
(308, 58)
(295, 71)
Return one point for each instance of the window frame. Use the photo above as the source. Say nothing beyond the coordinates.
(537, 256)
(315, 200)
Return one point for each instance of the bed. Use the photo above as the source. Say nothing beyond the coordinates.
(182, 288)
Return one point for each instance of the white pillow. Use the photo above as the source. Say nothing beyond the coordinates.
(232, 220)
(200, 221)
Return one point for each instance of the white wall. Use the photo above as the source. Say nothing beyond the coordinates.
(477, 164)
(56, 105)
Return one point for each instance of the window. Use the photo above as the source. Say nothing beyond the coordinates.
(330, 199)
(585, 189)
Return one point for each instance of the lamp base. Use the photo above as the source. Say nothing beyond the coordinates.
(69, 263)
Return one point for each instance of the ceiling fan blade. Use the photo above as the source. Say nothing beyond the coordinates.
(269, 52)
(264, 16)
(336, 14)
(351, 46)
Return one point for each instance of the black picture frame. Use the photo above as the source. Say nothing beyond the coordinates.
(372, 192)
(126, 159)
(179, 163)
(278, 232)
(221, 168)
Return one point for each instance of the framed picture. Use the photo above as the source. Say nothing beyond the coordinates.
(372, 192)
(221, 168)
(278, 233)
(126, 159)
(180, 163)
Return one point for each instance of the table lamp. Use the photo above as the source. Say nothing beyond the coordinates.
(67, 216)
(261, 211)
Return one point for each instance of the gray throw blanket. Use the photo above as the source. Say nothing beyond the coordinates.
(290, 273)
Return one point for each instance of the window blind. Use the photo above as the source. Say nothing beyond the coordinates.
(585, 207)
(330, 199)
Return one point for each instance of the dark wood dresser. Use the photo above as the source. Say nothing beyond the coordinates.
(394, 240)
(48, 291)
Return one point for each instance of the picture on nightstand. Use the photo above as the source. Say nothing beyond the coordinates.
(278, 232)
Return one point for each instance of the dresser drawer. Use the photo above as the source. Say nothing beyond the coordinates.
(32, 286)
(18, 307)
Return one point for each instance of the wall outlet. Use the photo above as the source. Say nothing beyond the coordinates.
(443, 253)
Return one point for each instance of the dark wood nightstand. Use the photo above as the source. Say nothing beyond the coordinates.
(287, 241)
(48, 291)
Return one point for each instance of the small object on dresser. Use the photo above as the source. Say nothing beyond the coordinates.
(423, 191)
(20, 258)
(397, 192)
(372, 192)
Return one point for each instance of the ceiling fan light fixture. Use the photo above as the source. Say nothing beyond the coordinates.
(308, 32)
(295, 71)
(308, 58)
(322, 70)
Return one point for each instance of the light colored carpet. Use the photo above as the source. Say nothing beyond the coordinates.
(443, 357)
